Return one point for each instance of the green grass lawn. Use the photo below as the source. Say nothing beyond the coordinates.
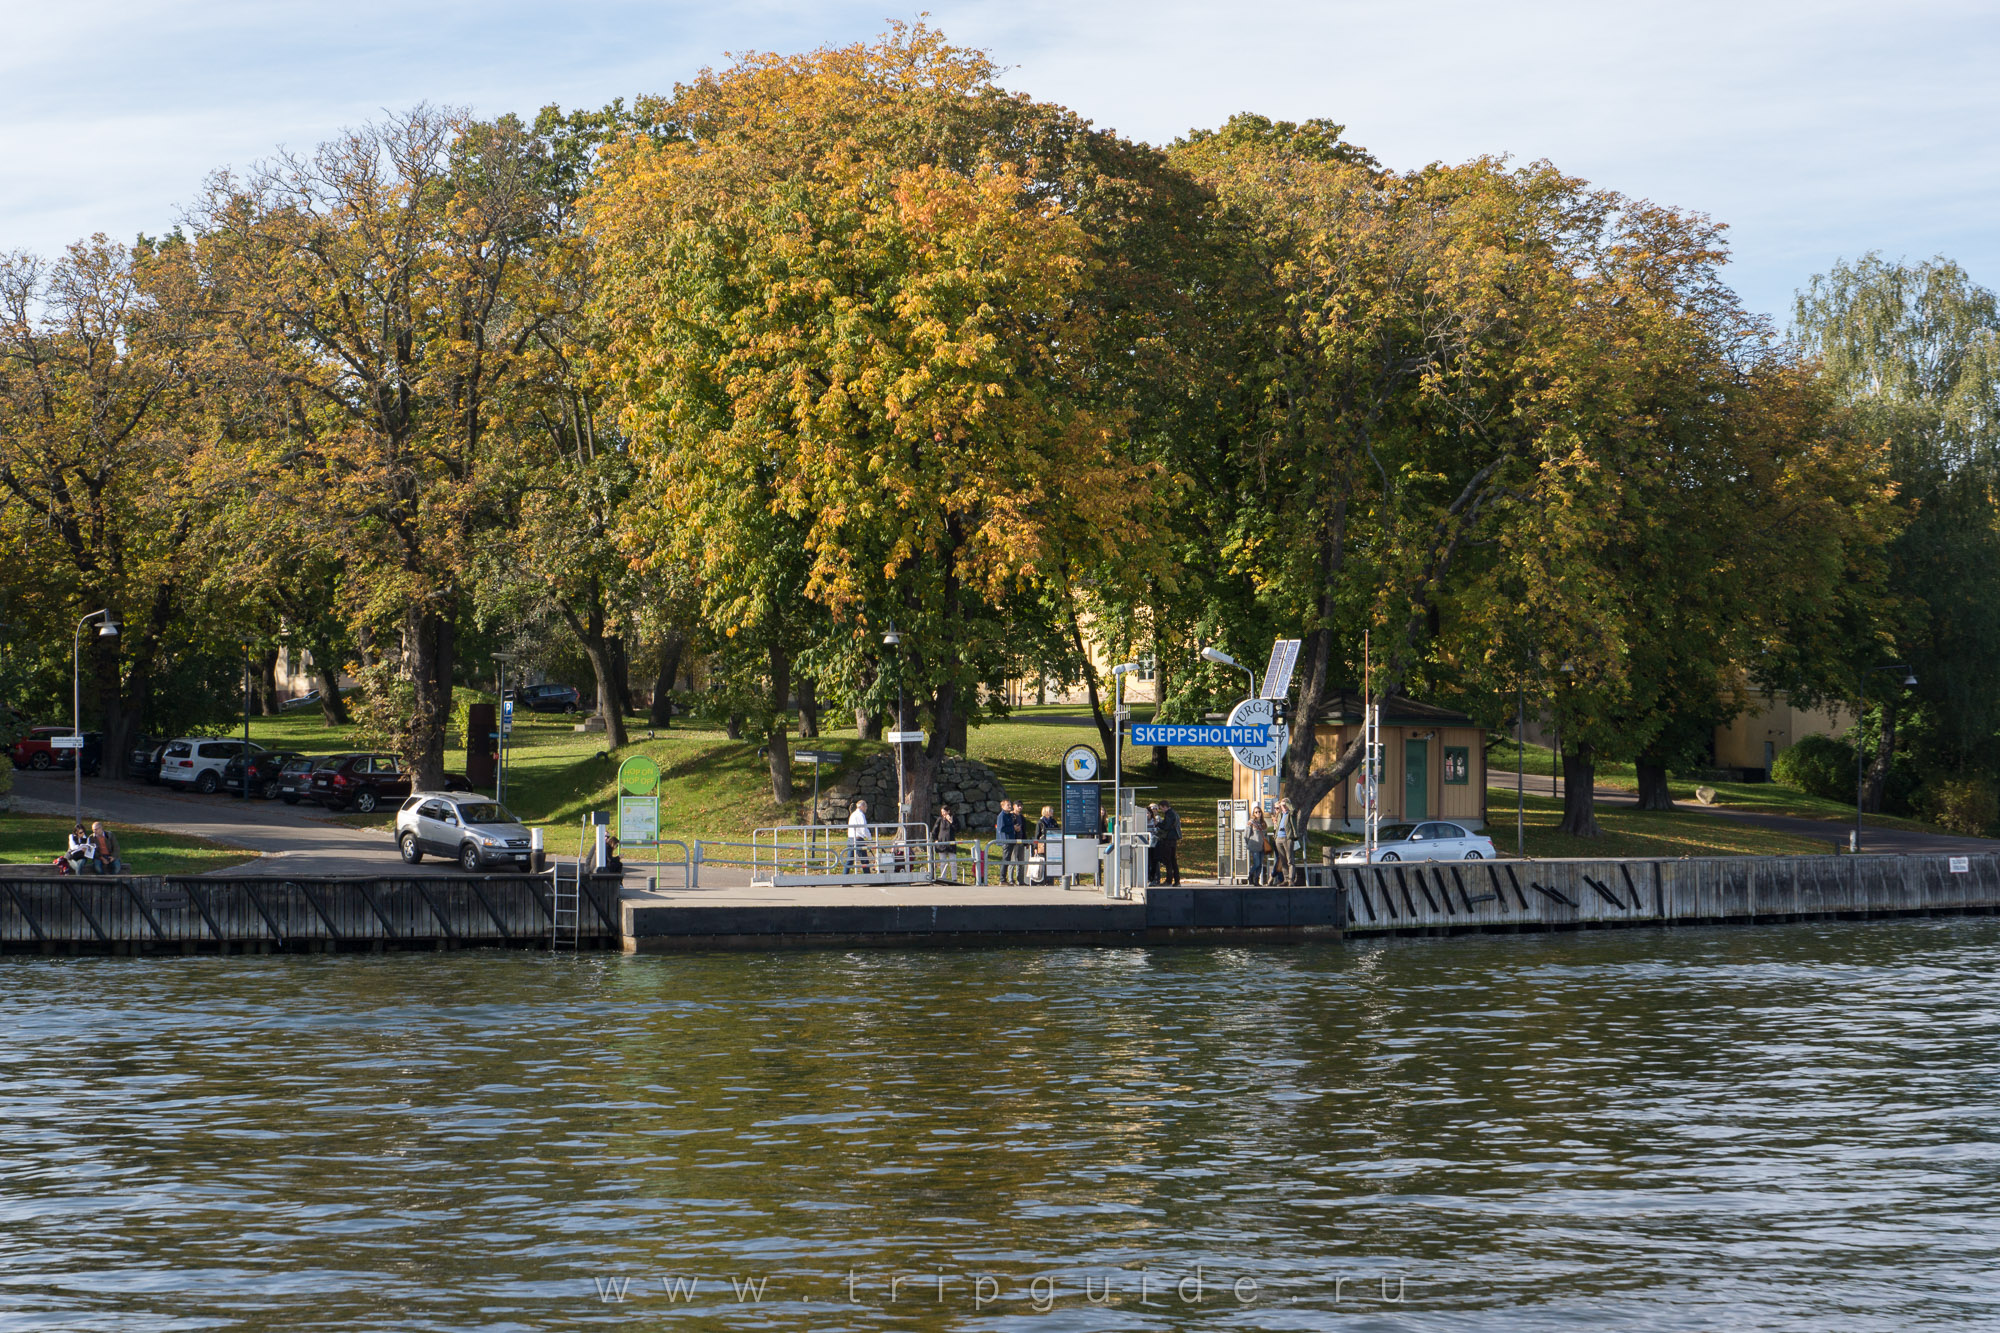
(1768, 798)
(1630, 832)
(38, 839)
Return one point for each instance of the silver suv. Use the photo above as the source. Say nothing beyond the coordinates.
(476, 831)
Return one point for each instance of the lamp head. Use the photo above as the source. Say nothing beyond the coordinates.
(892, 636)
(1217, 656)
(110, 628)
(1124, 668)
(1910, 678)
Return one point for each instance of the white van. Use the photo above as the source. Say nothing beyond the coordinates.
(192, 761)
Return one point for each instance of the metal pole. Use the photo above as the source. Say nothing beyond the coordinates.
(246, 722)
(1859, 718)
(1520, 771)
(500, 725)
(76, 716)
(1117, 782)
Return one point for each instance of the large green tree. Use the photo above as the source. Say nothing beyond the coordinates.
(849, 306)
(371, 303)
(1913, 349)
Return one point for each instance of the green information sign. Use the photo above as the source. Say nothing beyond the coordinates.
(638, 776)
(638, 821)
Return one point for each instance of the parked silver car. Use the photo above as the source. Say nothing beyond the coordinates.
(1434, 840)
(476, 831)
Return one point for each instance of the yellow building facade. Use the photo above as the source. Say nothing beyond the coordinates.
(1771, 726)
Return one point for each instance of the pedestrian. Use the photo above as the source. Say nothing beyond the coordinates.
(1282, 836)
(944, 844)
(105, 848)
(1256, 840)
(1005, 839)
(857, 841)
(78, 853)
(1048, 833)
(1017, 851)
(1167, 843)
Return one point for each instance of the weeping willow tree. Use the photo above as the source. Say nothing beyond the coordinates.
(1914, 352)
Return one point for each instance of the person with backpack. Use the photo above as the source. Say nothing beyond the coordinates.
(1167, 843)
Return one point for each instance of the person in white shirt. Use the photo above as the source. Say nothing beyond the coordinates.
(857, 840)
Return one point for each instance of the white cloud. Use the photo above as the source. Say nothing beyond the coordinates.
(1815, 130)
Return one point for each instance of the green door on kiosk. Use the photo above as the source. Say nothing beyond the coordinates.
(1416, 780)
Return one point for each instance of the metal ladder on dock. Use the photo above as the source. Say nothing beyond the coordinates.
(566, 905)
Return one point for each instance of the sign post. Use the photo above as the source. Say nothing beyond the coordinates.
(816, 758)
(639, 807)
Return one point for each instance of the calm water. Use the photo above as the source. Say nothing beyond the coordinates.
(1755, 1128)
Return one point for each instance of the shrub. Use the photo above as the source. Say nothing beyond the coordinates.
(1818, 766)
(1967, 805)
(6, 780)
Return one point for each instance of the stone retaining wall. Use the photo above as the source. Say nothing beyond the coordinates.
(967, 785)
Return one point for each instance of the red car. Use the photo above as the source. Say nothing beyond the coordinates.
(366, 782)
(34, 750)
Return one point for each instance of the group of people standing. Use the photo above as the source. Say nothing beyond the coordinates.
(1270, 844)
(1017, 843)
(1024, 850)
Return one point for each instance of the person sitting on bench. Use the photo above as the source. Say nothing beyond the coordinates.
(104, 850)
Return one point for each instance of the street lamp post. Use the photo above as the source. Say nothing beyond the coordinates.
(1220, 658)
(107, 630)
(1860, 761)
(500, 661)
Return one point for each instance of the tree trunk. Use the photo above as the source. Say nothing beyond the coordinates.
(777, 747)
(1580, 793)
(434, 636)
(808, 708)
(1653, 792)
(733, 727)
(332, 707)
(1878, 767)
(867, 724)
(267, 682)
(1104, 735)
(621, 675)
(597, 648)
(589, 631)
(957, 737)
(120, 725)
(920, 762)
(661, 714)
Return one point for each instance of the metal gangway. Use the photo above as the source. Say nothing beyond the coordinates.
(803, 854)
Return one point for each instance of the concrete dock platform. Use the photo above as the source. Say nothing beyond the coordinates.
(902, 915)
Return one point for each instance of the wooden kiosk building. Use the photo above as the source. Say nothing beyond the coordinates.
(1434, 765)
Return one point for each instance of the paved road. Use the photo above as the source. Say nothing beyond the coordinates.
(291, 840)
(1907, 842)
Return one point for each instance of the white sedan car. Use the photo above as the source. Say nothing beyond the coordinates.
(1433, 841)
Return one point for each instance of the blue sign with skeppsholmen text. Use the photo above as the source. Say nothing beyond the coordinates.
(1166, 733)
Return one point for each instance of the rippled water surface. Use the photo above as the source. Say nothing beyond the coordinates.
(1788, 1127)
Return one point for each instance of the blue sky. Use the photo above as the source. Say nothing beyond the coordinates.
(1815, 130)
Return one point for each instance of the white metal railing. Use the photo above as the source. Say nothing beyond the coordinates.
(836, 854)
